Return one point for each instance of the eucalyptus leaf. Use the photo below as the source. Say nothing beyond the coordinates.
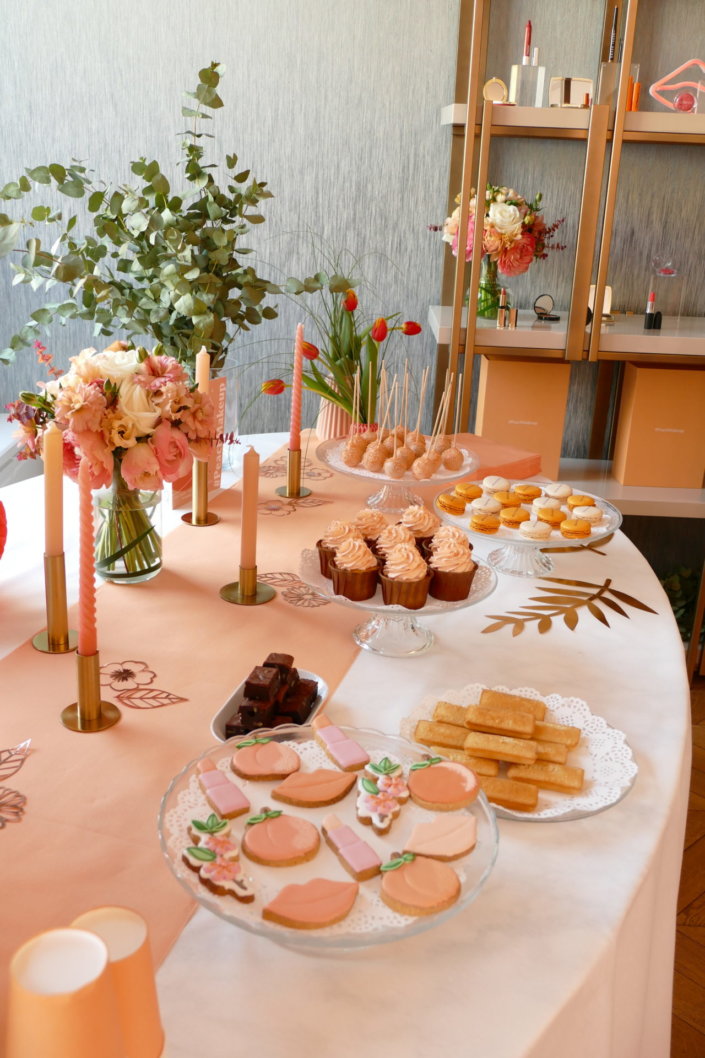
(8, 238)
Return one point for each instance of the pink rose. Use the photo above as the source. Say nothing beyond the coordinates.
(99, 456)
(516, 258)
(172, 452)
(155, 371)
(471, 236)
(140, 467)
(72, 458)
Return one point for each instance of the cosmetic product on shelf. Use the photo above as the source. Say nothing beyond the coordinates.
(526, 84)
(502, 310)
(650, 311)
(609, 71)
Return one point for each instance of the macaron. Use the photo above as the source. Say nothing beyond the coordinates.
(545, 503)
(577, 500)
(507, 498)
(557, 490)
(527, 492)
(484, 523)
(512, 517)
(593, 515)
(451, 504)
(551, 517)
(486, 505)
(575, 528)
(468, 490)
(535, 530)
(492, 483)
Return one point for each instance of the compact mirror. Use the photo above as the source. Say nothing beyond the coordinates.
(495, 90)
(543, 307)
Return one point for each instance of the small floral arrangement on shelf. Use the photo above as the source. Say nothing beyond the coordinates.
(350, 345)
(137, 419)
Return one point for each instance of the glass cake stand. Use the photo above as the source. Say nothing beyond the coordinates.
(393, 495)
(371, 921)
(393, 631)
(528, 558)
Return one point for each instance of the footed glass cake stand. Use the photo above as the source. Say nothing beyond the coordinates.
(394, 631)
(393, 495)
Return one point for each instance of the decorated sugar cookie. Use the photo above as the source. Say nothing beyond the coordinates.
(214, 857)
(314, 788)
(446, 837)
(222, 794)
(313, 905)
(356, 856)
(263, 760)
(441, 785)
(416, 885)
(279, 840)
(342, 750)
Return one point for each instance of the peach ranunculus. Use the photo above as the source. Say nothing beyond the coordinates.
(198, 421)
(120, 431)
(137, 406)
(140, 467)
(80, 406)
(172, 451)
(99, 455)
(515, 259)
(155, 371)
(491, 242)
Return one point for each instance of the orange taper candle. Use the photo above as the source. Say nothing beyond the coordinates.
(53, 458)
(250, 485)
(87, 637)
(296, 382)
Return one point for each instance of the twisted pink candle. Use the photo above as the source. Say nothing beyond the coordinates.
(87, 638)
(295, 428)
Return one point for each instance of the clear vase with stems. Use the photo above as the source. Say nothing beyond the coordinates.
(128, 547)
(488, 292)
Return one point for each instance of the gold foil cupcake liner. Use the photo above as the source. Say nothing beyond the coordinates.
(409, 593)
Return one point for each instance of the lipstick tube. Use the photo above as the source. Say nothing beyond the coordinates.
(526, 57)
(502, 314)
(650, 311)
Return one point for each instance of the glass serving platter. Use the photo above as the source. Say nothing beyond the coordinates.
(370, 921)
(527, 558)
(603, 753)
(393, 631)
(394, 494)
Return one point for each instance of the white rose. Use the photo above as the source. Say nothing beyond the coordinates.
(116, 365)
(505, 219)
(136, 407)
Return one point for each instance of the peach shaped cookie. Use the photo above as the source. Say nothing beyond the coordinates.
(416, 885)
(313, 905)
(278, 840)
(313, 788)
(263, 760)
(440, 785)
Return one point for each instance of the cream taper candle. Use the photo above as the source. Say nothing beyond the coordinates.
(296, 383)
(87, 634)
(203, 370)
(250, 485)
(53, 457)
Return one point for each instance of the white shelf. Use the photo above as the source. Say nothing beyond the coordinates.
(681, 335)
(595, 475)
(665, 121)
(521, 117)
(528, 334)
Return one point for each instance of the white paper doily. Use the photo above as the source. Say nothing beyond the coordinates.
(603, 752)
(370, 921)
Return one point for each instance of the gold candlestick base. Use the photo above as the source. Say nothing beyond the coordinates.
(247, 591)
(293, 487)
(89, 713)
(200, 515)
(56, 638)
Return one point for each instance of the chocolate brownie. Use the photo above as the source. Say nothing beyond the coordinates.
(283, 662)
(263, 683)
(251, 710)
(299, 701)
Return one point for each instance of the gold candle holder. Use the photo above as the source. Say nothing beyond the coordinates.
(56, 638)
(247, 591)
(89, 713)
(200, 515)
(293, 487)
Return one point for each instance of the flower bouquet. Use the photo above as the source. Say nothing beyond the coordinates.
(350, 345)
(514, 235)
(138, 420)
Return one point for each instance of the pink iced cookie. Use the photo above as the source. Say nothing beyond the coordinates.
(214, 857)
(222, 794)
(358, 858)
(342, 750)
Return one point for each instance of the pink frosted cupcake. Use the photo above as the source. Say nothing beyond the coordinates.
(369, 524)
(354, 570)
(421, 522)
(391, 537)
(334, 536)
(406, 578)
(448, 534)
(452, 570)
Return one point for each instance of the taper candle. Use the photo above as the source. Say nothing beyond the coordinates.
(295, 428)
(250, 485)
(203, 370)
(87, 637)
(53, 457)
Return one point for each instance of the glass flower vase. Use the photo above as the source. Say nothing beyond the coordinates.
(489, 289)
(128, 546)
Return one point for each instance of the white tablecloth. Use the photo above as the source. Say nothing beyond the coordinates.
(568, 950)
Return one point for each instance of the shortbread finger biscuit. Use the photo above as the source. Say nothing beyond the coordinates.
(500, 747)
(447, 713)
(562, 777)
(548, 732)
(551, 751)
(519, 796)
(430, 732)
(501, 700)
(481, 765)
(499, 721)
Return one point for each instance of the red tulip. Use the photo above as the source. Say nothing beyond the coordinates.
(379, 329)
(273, 386)
(410, 327)
(310, 351)
(350, 301)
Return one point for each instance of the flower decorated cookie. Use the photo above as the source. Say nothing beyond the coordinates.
(214, 857)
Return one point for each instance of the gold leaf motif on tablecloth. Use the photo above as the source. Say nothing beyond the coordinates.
(282, 508)
(565, 602)
(148, 698)
(583, 547)
(277, 468)
(11, 760)
(294, 590)
(11, 806)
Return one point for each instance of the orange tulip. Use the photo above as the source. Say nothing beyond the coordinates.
(379, 329)
(273, 386)
(310, 351)
(350, 301)
(411, 327)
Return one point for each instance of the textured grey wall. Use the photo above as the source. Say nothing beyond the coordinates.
(336, 106)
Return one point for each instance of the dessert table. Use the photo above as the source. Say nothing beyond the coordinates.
(568, 949)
